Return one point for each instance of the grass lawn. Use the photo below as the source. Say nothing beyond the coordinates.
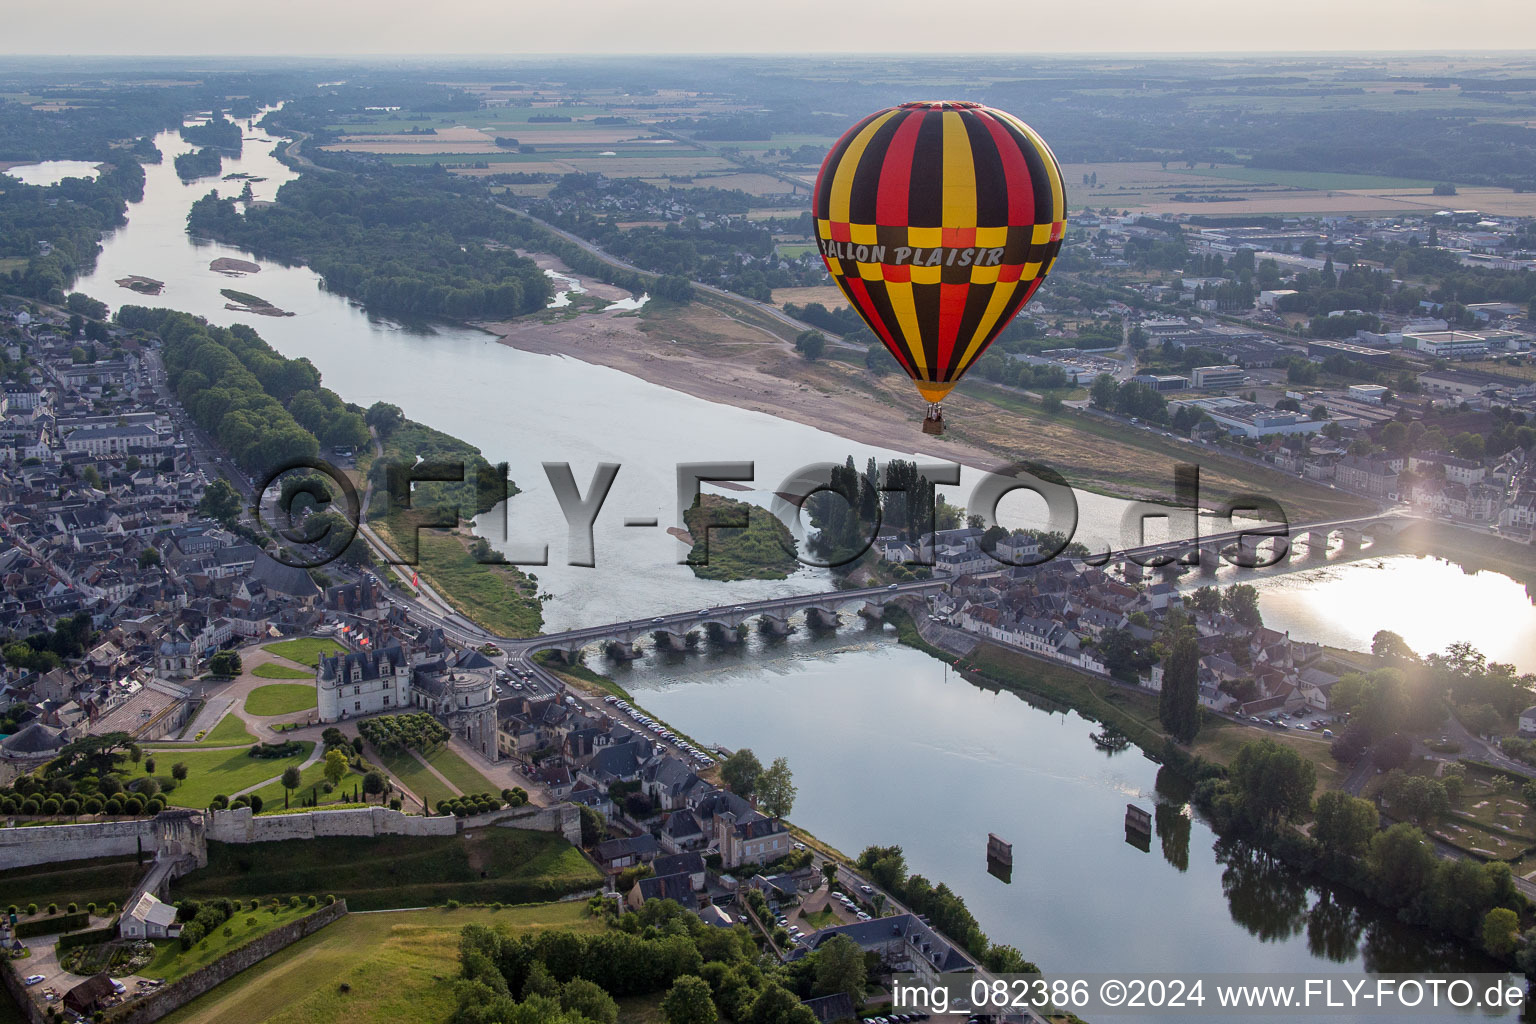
(399, 967)
(311, 777)
(100, 881)
(280, 699)
(378, 872)
(272, 670)
(211, 772)
(414, 775)
(228, 733)
(822, 919)
(172, 962)
(1220, 740)
(305, 650)
(460, 772)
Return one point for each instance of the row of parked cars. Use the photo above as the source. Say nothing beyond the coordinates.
(700, 758)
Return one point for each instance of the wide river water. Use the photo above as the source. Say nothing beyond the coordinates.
(886, 747)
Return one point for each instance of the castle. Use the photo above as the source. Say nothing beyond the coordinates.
(456, 686)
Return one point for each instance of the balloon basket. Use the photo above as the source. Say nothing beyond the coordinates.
(933, 423)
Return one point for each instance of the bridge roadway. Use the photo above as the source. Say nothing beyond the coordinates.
(521, 649)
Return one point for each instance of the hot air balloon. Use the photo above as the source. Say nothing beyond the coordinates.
(938, 220)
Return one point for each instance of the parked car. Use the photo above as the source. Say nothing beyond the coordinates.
(33, 979)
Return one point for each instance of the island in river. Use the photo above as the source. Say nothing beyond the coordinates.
(245, 302)
(736, 540)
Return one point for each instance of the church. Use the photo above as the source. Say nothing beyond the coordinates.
(456, 686)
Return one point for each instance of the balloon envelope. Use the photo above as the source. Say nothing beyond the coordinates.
(939, 220)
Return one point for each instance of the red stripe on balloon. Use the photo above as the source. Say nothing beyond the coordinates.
(896, 173)
(1021, 192)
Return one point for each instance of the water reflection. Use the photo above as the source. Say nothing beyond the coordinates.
(1334, 927)
(1263, 894)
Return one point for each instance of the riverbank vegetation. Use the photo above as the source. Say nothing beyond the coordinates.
(199, 163)
(736, 540)
(401, 246)
(663, 958)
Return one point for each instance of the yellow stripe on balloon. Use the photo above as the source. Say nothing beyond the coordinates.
(900, 295)
(959, 174)
(1001, 293)
(842, 182)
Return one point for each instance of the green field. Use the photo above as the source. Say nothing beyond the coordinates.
(379, 872)
(398, 968)
(100, 881)
(280, 699)
(172, 962)
(1322, 180)
(211, 772)
(272, 670)
(305, 650)
(415, 776)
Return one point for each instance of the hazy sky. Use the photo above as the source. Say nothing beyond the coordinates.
(350, 27)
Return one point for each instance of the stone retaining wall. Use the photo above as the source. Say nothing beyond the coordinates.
(46, 844)
(182, 991)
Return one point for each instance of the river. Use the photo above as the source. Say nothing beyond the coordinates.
(886, 748)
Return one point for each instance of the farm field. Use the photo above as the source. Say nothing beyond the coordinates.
(829, 295)
(1235, 191)
(380, 872)
(212, 772)
(305, 650)
(398, 967)
(280, 699)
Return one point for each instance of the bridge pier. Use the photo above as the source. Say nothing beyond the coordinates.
(620, 651)
(873, 610)
(1250, 553)
(1353, 540)
(818, 618)
(721, 634)
(1317, 545)
(1131, 571)
(669, 641)
(1210, 559)
(773, 625)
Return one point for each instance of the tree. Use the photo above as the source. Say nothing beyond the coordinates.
(689, 1001)
(1501, 930)
(840, 968)
(1391, 646)
(384, 417)
(811, 344)
(741, 771)
(593, 827)
(777, 1005)
(291, 781)
(1103, 391)
(335, 766)
(1178, 706)
(1401, 861)
(776, 789)
(1241, 601)
(225, 663)
(374, 783)
(1392, 752)
(1274, 783)
(588, 1000)
(179, 771)
(1345, 824)
(829, 872)
(220, 501)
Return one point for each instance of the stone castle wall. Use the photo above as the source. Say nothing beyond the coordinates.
(45, 844)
